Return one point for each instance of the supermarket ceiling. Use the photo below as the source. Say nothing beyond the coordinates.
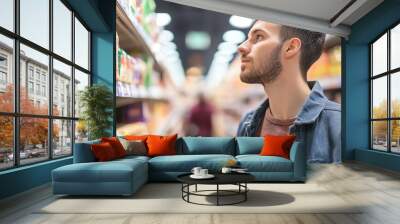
(189, 23)
(212, 18)
(328, 16)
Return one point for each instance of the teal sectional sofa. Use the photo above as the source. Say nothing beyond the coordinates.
(125, 176)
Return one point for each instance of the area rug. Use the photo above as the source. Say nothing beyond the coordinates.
(166, 198)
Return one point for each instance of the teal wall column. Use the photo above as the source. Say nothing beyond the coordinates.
(356, 99)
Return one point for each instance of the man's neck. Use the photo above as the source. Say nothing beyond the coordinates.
(286, 95)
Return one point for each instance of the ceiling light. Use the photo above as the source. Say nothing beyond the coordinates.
(234, 36)
(166, 36)
(197, 40)
(168, 45)
(227, 47)
(240, 22)
(163, 19)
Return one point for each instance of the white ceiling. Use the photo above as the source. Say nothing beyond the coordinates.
(314, 15)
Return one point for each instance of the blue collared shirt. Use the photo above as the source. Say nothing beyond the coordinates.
(318, 126)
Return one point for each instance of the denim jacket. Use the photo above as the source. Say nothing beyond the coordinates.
(318, 126)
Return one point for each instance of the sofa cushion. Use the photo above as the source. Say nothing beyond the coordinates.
(257, 163)
(277, 145)
(116, 145)
(185, 163)
(249, 145)
(206, 145)
(111, 171)
(83, 153)
(159, 145)
(103, 152)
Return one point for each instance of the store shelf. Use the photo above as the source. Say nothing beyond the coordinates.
(132, 37)
(123, 101)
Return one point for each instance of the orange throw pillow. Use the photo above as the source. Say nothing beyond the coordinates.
(135, 137)
(103, 152)
(161, 145)
(277, 145)
(116, 145)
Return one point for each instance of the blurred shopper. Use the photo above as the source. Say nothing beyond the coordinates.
(278, 57)
(199, 122)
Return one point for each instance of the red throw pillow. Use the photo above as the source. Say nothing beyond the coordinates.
(103, 151)
(161, 145)
(116, 145)
(277, 145)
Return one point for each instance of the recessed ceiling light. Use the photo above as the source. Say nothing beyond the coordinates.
(234, 36)
(163, 19)
(240, 22)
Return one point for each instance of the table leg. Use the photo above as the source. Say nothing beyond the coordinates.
(245, 193)
(217, 194)
(196, 188)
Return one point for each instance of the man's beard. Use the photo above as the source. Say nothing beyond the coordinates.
(268, 70)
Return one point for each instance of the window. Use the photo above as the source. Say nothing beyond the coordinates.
(34, 21)
(6, 73)
(81, 45)
(385, 94)
(7, 14)
(30, 72)
(44, 91)
(3, 78)
(30, 87)
(47, 75)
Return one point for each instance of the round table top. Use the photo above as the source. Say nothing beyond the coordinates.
(220, 178)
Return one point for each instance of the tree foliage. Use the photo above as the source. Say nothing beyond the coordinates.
(33, 130)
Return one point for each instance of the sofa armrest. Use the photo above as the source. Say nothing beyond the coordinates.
(298, 157)
(83, 152)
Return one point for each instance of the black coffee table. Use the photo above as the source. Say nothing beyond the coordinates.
(238, 179)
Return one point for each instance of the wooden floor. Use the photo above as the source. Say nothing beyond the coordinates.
(378, 188)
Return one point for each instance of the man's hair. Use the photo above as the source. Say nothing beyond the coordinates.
(311, 45)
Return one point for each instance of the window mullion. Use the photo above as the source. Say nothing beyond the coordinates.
(16, 85)
(389, 106)
(73, 82)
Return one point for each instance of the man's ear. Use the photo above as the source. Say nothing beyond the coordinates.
(292, 47)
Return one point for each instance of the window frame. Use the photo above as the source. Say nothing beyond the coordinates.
(388, 74)
(16, 114)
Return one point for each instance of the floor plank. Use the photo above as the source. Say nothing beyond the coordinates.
(376, 189)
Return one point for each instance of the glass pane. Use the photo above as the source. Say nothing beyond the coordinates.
(395, 47)
(6, 142)
(81, 81)
(395, 94)
(35, 21)
(81, 131)
(62, 89)
(6, 74)
(379, 55)
(81, 45)
(7, 14)
(62, 138)
(34, 72)
(62, 29)
(379, 97)
(395, 136)
(379, 135)
(33, 139)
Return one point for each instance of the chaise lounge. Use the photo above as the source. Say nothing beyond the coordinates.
(125, 176)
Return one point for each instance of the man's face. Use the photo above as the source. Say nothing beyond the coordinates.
(260, 54)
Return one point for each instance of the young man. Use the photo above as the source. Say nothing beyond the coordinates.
(278, 57)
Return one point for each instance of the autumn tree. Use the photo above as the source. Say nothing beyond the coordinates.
(33, 131)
